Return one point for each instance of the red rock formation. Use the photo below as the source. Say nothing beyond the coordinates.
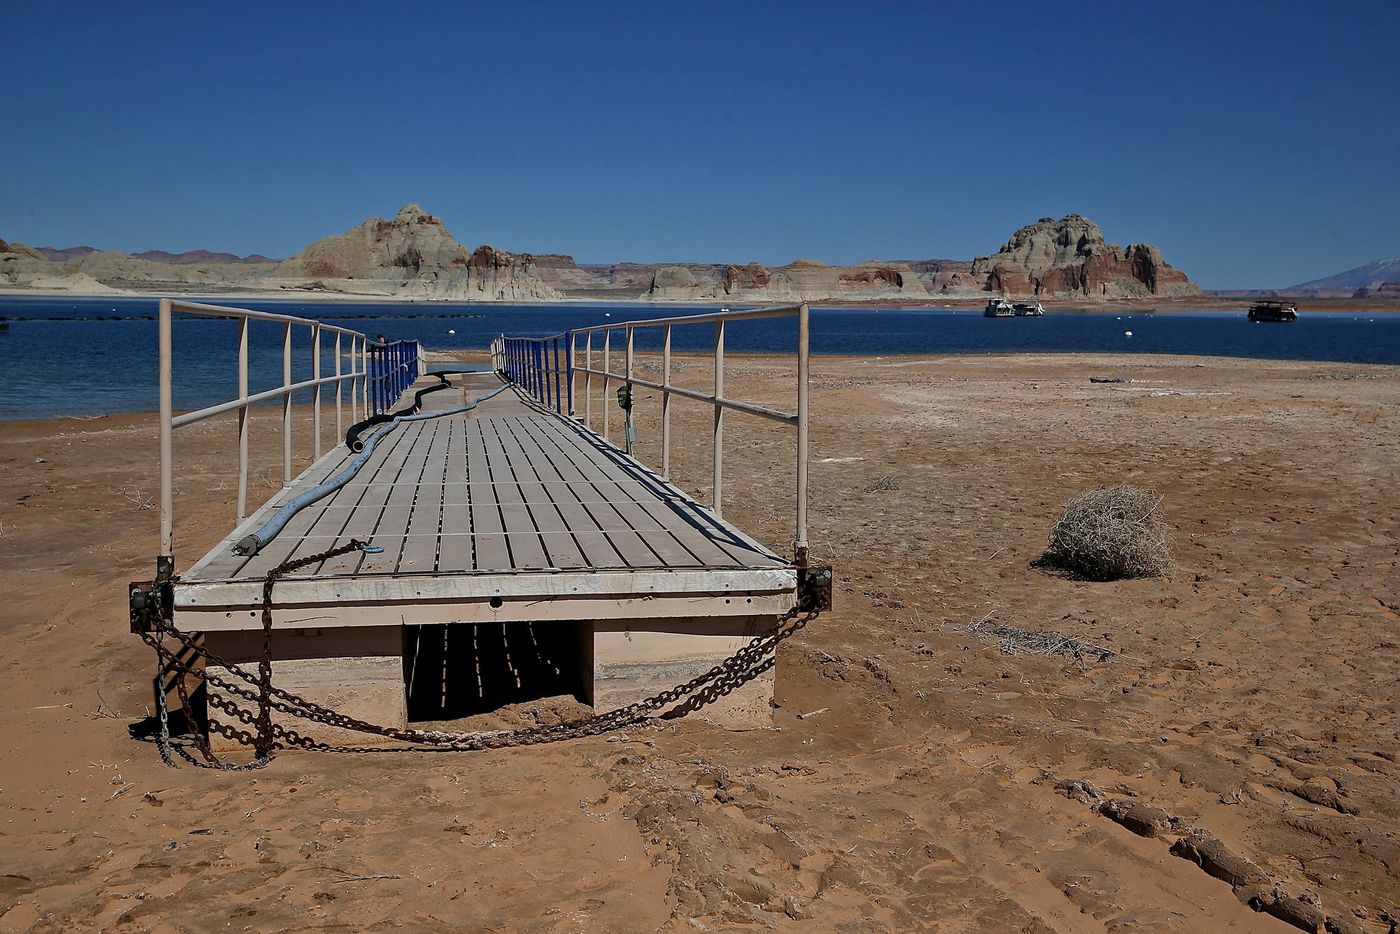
(414, 255)
(740, 278)
(1070, 257)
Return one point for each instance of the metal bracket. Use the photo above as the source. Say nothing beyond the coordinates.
(814, 587)
(143, 599)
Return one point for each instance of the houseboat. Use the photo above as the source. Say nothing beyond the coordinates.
(1028, 310)
(999, 308)
(1273, 311)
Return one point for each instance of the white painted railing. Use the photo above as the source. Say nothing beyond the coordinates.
(536, 372)
(364, 384)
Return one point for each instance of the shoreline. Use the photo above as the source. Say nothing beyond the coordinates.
(1219, 302)
(1135, 359)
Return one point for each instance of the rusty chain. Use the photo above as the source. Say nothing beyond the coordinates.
(748, 662)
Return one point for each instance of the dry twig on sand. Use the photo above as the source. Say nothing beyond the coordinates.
(1111, 533)
(1036, 642)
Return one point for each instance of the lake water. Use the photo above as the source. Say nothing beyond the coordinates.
(66, 356)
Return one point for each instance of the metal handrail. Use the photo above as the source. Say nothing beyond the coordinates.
(378, 374)
(520, 361)
(533, 363)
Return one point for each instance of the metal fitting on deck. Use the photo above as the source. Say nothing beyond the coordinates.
(814, 587)
(151, 603)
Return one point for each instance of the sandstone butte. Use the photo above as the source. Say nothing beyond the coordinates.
(414, 256)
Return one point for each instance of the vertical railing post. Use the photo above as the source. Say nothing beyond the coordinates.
(717, 504)
(535, 368)
(286, 404)
(799, 546)
(607, 379)
(588, 380)
(557, 374)
(630, 434)
(542, 371)
(573, 353)
(316, 390)
(364, 375)
(167, 433)
(666, 401)
(355, 415)
(242, 419)
(338, 385)
(558, 379)
(376, 386)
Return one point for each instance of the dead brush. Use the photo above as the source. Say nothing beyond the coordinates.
(1111, 533)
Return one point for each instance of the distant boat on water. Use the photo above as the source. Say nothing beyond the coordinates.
(1273, 311)
(1001, 308)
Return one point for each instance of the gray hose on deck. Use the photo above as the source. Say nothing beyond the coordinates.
(254, 542)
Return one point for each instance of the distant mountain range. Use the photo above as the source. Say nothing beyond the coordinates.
(155, 256)
(1372, 278)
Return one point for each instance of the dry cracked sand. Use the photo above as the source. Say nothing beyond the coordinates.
(920, 776)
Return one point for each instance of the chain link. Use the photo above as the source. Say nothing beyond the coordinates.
(257, 688)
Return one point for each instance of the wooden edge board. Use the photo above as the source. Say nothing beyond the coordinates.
(484, 586)
(681, 607)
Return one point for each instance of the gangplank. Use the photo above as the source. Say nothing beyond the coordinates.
(506, 543)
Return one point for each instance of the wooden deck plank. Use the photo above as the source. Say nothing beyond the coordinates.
(368, 518)
(420, 548)
(592, 540)
(456, 551)
(709, 540)
(488, 525)
(325, 520)
(503, 489)
(527, 549)
(667, 537)
(559, 542)
(621, 537)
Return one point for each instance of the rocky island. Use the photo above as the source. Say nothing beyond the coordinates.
(413, 257)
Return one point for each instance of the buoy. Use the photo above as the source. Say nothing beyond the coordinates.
(451, 331)
(1127, 333)
(607, 314)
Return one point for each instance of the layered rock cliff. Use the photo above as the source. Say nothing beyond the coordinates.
(412, 256)
(802, 280)
(1069, 257)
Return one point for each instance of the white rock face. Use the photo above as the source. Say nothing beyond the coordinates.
(82, 284)
(412, 256)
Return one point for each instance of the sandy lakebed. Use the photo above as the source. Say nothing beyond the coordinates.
(920, 776)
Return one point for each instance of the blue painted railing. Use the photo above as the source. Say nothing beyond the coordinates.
(393, 367)
(542, 366)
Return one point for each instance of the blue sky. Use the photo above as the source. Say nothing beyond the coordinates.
(1258, 144)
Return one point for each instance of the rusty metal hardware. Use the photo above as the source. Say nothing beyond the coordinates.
(814, 588)
(151, 605)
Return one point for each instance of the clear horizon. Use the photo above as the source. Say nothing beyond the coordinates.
(1255, 144)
